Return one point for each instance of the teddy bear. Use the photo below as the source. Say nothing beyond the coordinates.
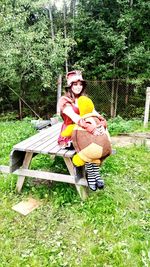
(89, 147)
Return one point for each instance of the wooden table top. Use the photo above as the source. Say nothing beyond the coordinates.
(45, 142)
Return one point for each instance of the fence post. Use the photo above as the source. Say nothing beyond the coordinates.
(59, 92)
(147, 105)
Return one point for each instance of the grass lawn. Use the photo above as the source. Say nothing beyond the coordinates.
(110, 229)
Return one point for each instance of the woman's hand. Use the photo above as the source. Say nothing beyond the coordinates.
(101, 130)
(89, 127)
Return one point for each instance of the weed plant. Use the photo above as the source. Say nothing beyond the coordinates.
(111, 228)
(119, 125)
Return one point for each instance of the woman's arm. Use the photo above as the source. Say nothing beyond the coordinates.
(68, 110)
(78, 120)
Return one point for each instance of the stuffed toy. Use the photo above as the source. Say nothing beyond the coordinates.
(89, 147)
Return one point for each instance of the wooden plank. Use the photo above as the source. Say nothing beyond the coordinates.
(80, 189)
(51, 131)
(44, 175)
(61, 151)
(64, 152)
(55, 150)
(147, 107)
(26, 206)
(70, 153)
(32, 139)
(49, 176)
(40, 140)
(26, 163)
(49, 147)
(44, 142)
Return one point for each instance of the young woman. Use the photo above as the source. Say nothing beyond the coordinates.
(70, 113)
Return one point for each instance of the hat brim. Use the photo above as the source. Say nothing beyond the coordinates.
(83, 81)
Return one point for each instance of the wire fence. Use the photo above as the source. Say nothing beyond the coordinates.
(117, 97)
(111, 98)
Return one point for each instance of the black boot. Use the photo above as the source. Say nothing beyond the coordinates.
(100, 183)
(92, 186)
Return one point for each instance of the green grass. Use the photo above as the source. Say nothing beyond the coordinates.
(110, 229)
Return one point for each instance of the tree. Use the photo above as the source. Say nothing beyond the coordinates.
(30, 58)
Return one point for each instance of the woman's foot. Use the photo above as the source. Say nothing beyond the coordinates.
(93, 187)
(100, 184)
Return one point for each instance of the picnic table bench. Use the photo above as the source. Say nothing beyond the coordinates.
(44, 142)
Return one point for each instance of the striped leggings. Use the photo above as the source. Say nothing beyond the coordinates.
(93, 176)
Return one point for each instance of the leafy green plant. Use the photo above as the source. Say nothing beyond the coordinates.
(9, 116)
(119, 125)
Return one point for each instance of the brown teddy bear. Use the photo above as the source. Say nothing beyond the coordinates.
(89, 147)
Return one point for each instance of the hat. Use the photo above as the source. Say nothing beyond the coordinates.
(74, 76)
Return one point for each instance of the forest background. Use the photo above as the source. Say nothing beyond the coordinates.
(41, 40)
(109, 41)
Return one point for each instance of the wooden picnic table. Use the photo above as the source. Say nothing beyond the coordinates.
(44, 142)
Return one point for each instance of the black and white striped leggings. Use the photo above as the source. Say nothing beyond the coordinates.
(93, 176)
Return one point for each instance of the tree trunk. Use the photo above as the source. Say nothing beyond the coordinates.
(128, 67)
(59, 87)
(116, 99)
(112, 99)
(51, 20)
(73, 9)
(65, 36)
(127, 94)
(20, 109)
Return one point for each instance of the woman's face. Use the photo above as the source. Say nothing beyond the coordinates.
(77, 87)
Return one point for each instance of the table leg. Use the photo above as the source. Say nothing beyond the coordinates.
(82, 190)
(25, 165)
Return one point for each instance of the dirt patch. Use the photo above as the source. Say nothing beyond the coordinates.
(131, 139)
(137, 135)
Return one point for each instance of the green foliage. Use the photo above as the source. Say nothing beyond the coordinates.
(132, 111)
(105, 39)
(29, 51)
(9, 116)
(30, 59)
(24, 130)
(119, 125)
(112, 40)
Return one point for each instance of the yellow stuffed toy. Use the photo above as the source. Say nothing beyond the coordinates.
(89, 147)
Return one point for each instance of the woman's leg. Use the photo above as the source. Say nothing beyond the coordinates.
(91, 176)
(99, 180)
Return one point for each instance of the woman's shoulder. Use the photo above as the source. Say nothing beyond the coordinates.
(63, 101)
(66, 98)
